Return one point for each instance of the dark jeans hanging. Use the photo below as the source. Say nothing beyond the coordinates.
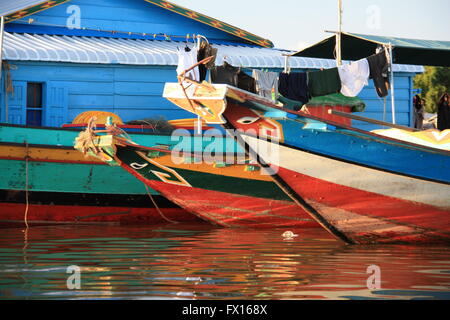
(227, 74)
(294, 86)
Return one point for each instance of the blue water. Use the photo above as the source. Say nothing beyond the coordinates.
(201, 262)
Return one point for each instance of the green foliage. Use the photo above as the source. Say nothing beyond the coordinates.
(434, 82)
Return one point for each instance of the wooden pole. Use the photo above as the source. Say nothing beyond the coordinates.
(364, 119)
(2, 31)
(391, 58)
(339, 35)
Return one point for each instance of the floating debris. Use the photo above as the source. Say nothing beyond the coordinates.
(288, 235)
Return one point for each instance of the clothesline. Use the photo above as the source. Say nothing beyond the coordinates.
(298, 87)
(155, 36)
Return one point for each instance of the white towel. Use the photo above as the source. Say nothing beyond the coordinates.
(354, 76)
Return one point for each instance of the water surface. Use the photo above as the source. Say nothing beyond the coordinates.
(177, 261)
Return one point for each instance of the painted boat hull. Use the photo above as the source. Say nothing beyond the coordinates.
(66, 187)
(366, 187)
(227, 196)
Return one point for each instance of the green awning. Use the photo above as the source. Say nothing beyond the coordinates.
(406, 51)
(335, 99)
(338, 99)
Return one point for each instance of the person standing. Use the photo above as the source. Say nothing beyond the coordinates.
(443, 113)
(419, 105)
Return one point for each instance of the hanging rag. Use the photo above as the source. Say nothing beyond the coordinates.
(266, 82)
(228, 74)
(354, 76)
(294, 86)
(187, 59)
(379, 72)
(205, 51)
(324, 82)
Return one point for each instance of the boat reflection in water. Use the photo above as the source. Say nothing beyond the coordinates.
(177, 261)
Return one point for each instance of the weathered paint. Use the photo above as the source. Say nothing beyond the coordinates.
(366, 187)
(13, 214)
(224, 195)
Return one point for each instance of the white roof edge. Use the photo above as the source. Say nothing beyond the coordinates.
(78, 49)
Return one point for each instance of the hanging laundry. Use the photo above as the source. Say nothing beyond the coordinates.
(324, 82)
(294, 86)
(354, 76)
(266, 82)
(228, 74)
(379, 72)
(187, 59)
(205, 51)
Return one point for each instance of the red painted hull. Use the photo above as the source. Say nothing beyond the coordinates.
(13, 214)
(367, 217)
(233, 210)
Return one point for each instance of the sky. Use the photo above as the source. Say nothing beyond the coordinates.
(296, 24)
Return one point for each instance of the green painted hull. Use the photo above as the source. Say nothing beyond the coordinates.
(70, 177)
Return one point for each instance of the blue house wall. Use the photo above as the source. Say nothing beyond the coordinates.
(375, 106)
(132, 92)
(135, 92)
(135, 16)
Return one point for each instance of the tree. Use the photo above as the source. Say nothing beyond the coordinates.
(434, 82)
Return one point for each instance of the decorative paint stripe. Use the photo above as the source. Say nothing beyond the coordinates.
(215, 182)
(232, 171)
(54, 154)
(217, 24)
(85, 199)
(54, 161)
(33, 10)
(361, 178)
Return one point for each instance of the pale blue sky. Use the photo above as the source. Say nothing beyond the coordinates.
(293, 24)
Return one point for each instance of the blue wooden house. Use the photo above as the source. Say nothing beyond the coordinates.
(64, 57)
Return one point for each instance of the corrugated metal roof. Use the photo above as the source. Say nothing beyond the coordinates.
(55, 48)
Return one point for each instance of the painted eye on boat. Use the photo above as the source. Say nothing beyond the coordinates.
(247, 120)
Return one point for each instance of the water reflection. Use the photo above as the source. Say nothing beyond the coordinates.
(202, 262)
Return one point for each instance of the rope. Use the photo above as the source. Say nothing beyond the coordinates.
(86, 138)
(182, 78)
(26, 188)
(156, 206)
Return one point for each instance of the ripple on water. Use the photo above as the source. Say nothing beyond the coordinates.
(202, 262)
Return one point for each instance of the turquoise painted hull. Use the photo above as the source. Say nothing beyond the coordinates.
(78, 177)
(63, 187)
(68, 177)
(51, 176)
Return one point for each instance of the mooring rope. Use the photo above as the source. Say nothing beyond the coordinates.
(26, 186)
(156, 206)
